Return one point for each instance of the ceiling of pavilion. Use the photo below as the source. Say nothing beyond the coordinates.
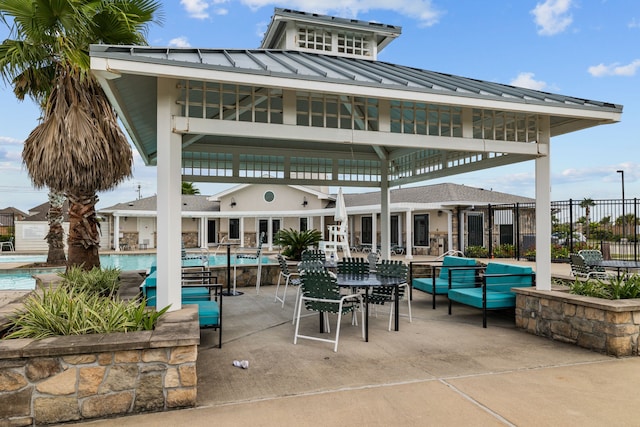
(129, 75)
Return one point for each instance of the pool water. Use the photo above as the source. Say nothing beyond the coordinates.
(21, 280)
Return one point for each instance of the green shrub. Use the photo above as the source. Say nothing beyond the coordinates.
(65, 310)
(476, 252)
(295, 242)
(622, 287)
(105, 282)
(505, 250)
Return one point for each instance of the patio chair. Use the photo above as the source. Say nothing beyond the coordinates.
(579, 268)
(290, 277)
(313, 255)
(592, 257)
(353, 266)
(303, 267)
(321, 293)
(383, 294)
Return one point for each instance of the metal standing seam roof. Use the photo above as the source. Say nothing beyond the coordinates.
(326, 68)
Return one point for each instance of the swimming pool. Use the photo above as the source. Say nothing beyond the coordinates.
(22, 279)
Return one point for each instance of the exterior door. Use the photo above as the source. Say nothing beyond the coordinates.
(395, 229)
(475, 228)
(146, 231)
(211, 231)
(367, 230)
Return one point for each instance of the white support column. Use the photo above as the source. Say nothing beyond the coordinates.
(116, 233)
(202, 233)
(543, 210)
(241, 231)
(385, 220)
(169, 181)
(269, 233)
(449, 230)
(408, 233)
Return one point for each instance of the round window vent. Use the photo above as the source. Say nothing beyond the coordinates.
(269, 196)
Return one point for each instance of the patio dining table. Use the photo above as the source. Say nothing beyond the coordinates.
(619, 265)
(371, 281)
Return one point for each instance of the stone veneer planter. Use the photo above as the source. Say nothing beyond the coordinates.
(70, 378)
(606, 326)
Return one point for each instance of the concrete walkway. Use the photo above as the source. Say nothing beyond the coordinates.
(437, 370)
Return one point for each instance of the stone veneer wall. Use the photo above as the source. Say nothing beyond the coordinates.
(71, 378)
(607, 326)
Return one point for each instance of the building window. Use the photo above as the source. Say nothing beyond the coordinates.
(314, 39)
(304, 224)
(421, 230)
(426, 119)
(234, 228)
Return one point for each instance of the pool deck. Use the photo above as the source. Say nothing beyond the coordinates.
(437, 370)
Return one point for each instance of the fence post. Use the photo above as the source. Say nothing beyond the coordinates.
(490, 215)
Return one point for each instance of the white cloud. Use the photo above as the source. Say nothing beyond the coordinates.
(221, 11)
(196, 8)
(422, 10)
(634, 23)
(5, 140)
(552, 16)
(179, 42)
(615, 69)
(527, 81)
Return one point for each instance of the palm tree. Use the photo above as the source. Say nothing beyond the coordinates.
(586, 204)
(188, 188)
(78, 148)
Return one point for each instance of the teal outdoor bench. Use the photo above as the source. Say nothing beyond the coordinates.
(454, 272)
(494, 292)
(199, 288)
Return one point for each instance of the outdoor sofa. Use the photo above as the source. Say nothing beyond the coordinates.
(198, 287)
(495, 290)
(454, 272)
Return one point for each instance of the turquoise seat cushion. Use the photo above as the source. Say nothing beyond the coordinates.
(189, 295)
(505, 283)
(442, 285)
(460, 276)
(196, 293)
(208, 313)
(473, 298)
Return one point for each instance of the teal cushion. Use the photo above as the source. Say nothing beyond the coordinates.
(473, 298)
(460, 276)
(505, 283)
(208, 313)
(442, 285)
(192, 294)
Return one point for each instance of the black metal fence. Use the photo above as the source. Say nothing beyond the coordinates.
(608, 225)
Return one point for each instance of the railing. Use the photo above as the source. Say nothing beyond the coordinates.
(608, 225)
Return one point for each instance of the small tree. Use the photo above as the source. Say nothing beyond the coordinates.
(295, 242)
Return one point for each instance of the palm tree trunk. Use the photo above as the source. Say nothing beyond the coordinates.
(84, 231)
(55, 236)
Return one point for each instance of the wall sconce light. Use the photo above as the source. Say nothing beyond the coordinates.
(193, 219)
(439, 213)
(233, 202)
(125, 218)
(304, 202)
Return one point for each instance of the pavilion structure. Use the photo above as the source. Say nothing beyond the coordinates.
(314, 106)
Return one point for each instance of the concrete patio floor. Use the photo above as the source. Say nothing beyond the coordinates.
(437, 370)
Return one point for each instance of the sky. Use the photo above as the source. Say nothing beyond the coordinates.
(589, 49)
